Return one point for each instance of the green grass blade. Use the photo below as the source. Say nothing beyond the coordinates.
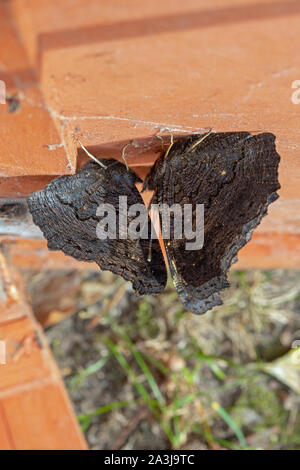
(231, 423)
(216, 369)
(140, 388)
(92, 369)
(151, 380)
(85, 419)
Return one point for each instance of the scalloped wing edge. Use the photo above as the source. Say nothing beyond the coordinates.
(194, 301)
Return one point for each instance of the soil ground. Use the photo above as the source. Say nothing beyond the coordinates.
(144, 374)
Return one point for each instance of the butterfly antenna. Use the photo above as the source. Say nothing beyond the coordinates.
(91, 156)
(170, 146)
(150, 251)
(198, 142)
(123, 155)
(162, 141)
(149, 257)
(141, 232)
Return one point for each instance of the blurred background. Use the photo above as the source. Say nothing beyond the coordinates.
(144, 374)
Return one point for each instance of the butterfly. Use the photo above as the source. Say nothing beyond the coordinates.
(66, 212)
(233, 174)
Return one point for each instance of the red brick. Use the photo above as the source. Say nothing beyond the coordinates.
(39, 419)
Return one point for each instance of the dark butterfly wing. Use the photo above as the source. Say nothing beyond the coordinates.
(235, 176)
(66, 212)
